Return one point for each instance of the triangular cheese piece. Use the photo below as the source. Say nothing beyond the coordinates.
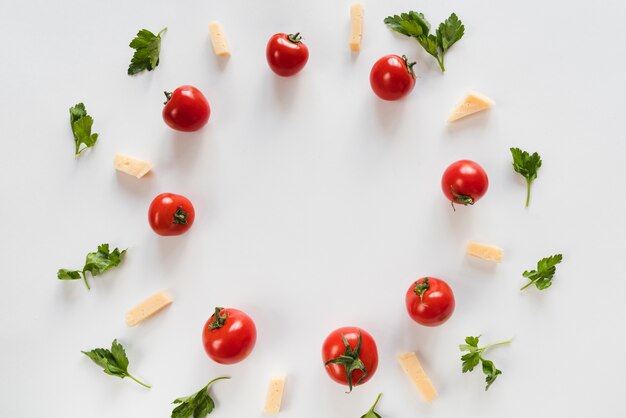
(471, 103)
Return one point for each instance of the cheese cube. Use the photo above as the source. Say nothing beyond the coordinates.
(413, 369)
(148, 307)
(131, 165)
(471, 103)
(356, 26)
(218, 40)
(485, 251)
(274, 396)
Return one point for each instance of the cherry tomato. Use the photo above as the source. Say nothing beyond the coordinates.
(286, 54)
(229, 336)
(430, 301)
(464, 182)
(392, 77)
(171, 214)
(186, 109)
(350, 356)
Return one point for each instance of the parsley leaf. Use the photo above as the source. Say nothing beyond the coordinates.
(96, 263)
(474, 356)
(415, 25)
(64, 274)
(371, 413)
(102, 260)
(542, 277)
(113, 362)
(81, 124)
(449, 32)
(527, 165)
(197, 405)
(490, 371)
(147, 48)
(409, 24)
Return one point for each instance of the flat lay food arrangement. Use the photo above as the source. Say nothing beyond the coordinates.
(433, 327)
(349, 354)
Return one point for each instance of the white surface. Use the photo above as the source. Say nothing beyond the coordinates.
(316, 206)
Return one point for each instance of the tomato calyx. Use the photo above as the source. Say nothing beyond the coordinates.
(461, 198)
(220, 318)
(350, 360)
(421, 288)
(409, 66)
(180, 217)
(295, 37)
(168, 96)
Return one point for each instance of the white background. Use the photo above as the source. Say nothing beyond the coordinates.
(316, 205)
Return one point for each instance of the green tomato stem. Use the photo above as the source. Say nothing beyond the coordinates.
(139, 381)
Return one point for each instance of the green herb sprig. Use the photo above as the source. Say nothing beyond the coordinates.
(113, 362)
(474, 356)
(527, 165)
(542, 277)
(81, 124)
(198, 405)
(96, 263)
(147, 48)
(415, 25)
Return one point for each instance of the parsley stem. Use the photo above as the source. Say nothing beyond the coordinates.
(495, 344)
(85, 280)
(139, 381)
(440, 61)
(528, 284)
(216, 379)
(162, 30)
(528, 191)
(375, 403)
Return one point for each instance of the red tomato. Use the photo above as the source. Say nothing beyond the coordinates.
(286, 54)
(171, 214)
(464, 182)
(430, 301)
(228, 336)
(350, 356)
(186, 109)
(392, 77)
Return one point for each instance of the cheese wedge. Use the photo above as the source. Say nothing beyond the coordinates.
(274, 396)
(357, 14)
(485, 251)
(218, 39)
(154, 304)
(413, 369)
(471, 103)
(131, 165)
